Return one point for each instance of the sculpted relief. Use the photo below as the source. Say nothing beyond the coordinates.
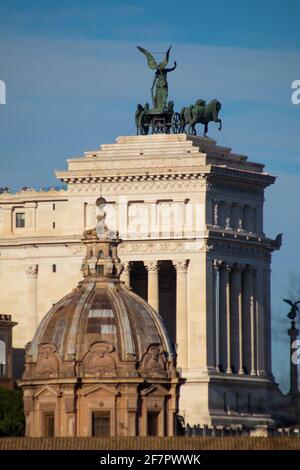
(154, 360)
(100, 359)
(47, 362)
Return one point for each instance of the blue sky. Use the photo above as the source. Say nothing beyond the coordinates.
(74, 77)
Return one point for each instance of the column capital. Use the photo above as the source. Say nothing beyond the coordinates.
(181, 266)
(218, 264)
(151, 266)
(223, 265)
(32, 270)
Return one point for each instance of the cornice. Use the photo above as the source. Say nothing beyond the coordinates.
(216, 177)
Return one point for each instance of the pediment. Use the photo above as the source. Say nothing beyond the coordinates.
(153, 389)
(47, 391)
(96, 388)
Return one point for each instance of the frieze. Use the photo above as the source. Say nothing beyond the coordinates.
(238, 249)
(142, 186)
(235, 187)
(188, 246)
(151, 247)
(165, 185)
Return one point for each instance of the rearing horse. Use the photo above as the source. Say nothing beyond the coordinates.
(200, 113)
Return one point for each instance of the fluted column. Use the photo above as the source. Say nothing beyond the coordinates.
(252, 321)
(261, 331)
(267, 312)
(240, 320)
(153, 290)
(249, 323)
(181, 313)
(235, 285)
(216, 284)
(228, 317)
(32, 315)
(222, 318)
(126, 274)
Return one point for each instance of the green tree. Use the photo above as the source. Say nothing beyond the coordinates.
(12, 421)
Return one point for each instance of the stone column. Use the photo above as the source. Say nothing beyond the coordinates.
(153, 291)
(251, 273)
(228, 317)
(267, 313)
(32, 315)
(222, 318)
(235, 318)
(216, 286)
(126, 273)
(181, 313)
(240, 320)
(294, 391)
(261, 333)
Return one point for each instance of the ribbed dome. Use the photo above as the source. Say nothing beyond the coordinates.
(101, 312)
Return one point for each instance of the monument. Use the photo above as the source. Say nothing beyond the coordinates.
(190, 214)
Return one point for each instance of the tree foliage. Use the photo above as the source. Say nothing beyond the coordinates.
(12, 421)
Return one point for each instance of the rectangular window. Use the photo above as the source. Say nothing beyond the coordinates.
(20, 219)
(49, 424)
(152, 423)
(54, 268)
(53, 207)
(53, 225)
(100, 424)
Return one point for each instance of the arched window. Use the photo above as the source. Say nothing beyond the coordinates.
(2, 357)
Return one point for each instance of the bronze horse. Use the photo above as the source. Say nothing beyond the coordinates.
(200, 113)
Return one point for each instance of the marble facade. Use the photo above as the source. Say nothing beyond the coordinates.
(185, 206)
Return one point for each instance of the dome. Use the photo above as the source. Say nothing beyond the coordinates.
(103, 315)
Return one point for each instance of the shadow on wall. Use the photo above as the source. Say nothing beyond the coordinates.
(18, 362)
